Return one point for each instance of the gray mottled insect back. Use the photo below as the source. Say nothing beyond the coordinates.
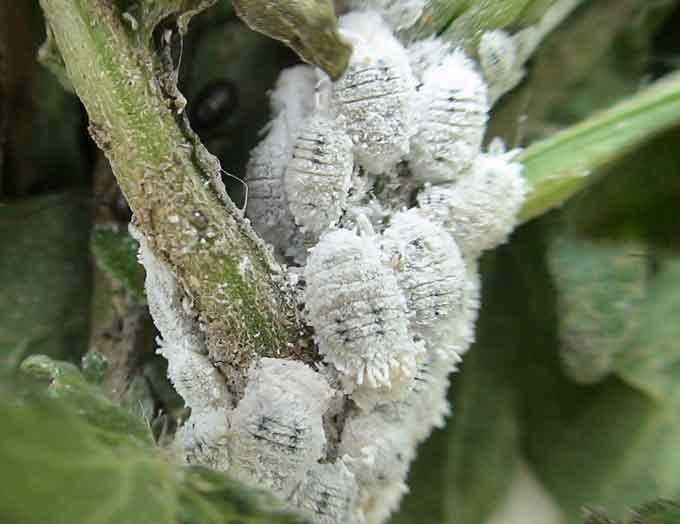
(329, 494)
(276, 431)
(452, 111)
(500, 62)
(481, 209)
(431, 272)
(375, 94)
(319, 174)
(426, 406)
(426, 54)
(292, 101)
(378, 449)
(203, 439)
(358, 311)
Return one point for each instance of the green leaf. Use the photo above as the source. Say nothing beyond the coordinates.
(659, 512)
(68, 385)
(56, 469)
(115, 252)
(45, 277)
(636, 198)
(652, 360)
(436, 16)
(565, 163)
(308, 27)
(607, 446)
(482, 16)
(94, 366)
(143, 16)
(464, 21)
(600, 290)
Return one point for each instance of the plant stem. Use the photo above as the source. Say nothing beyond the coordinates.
(567, 162)
(173, 187)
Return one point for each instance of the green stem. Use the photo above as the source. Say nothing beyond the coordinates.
(173, 186)
(567, 162)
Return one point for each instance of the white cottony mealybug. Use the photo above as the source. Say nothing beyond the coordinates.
(203, 439)
(465, 330)
(399, 14)
(423, 405)
(426, 404)
(292, 101)
(358, 312)
(378, 450)
(319, 174)
(431, 272)
(276, 430)
(500, 63)
(426, 54)
(329, 494)
(375, 94)
(195, 379)
(481, 209)
(451, 111)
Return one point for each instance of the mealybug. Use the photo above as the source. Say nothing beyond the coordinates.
(358, 312)
(451, 111)
(329, 494)
(481, 209)
(203, 439)
(426, 54)
(378, 450)
(499, 60)
(276, 430)
(425, 406)
(399, 14)
(319, 174)
(431, 272)
(375, 94)
(292, 101)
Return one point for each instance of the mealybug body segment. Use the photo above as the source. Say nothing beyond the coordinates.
(378, 450)
(203, 439)
(452, 111)
(319, 174)
(431, 272)
(375, 94)
(195, 378)
(276, 429)
(329, 494)
(481, 209)
(291, 102)
(425, 406)
(499, 60)
(358, 312)
(426, 54)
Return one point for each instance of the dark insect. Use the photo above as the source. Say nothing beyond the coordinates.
(213, 104)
